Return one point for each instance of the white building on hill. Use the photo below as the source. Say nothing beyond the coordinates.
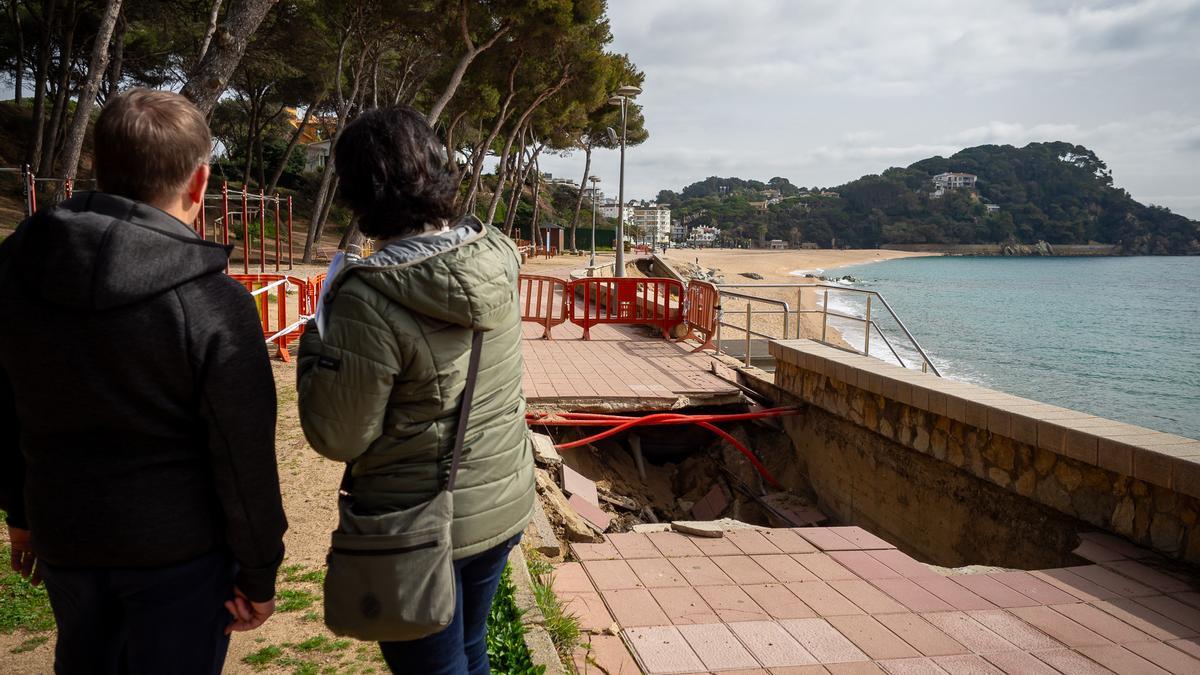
(953, 181)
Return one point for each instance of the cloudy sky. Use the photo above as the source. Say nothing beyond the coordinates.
(824, 91)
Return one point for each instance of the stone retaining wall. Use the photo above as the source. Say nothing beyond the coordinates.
(965, 474)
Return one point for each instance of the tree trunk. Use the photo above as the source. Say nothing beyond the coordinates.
(319, 206)
(208, 79)
(587, 168)
(463, 63)
(251, 131)
(97, 66)
(537, 191)
(478, 158)
(351, 237)
(117, 67)
(50, 136)
(515, 196)
(210, 31)
(287, 153)
(33, 152)
(19, 74)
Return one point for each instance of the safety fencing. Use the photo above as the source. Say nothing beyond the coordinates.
(250, 214)
(543, 301)
(702, 313)
(273, 298)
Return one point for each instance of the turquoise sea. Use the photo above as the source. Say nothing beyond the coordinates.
(1114, 337)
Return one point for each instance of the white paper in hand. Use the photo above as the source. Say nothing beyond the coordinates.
(335, 266)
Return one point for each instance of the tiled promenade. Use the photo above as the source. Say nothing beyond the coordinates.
(840, 600)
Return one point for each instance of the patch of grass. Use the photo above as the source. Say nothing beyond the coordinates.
(298, 573)
(562, 626)
(21, 605)
(292, 600)
(301, 667)
(262, 657)
(311, 616)
(507, 652)
(30, 644)
(322, 644)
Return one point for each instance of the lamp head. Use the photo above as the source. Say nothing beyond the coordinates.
(616, 100)
(628, 90)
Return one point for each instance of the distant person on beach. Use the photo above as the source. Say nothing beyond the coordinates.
(137, 410)
(381, 385)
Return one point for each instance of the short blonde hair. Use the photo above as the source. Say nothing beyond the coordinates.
(148, 143)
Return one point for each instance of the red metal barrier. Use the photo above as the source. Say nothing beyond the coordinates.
(276, 326)
(315, 286)
(543, 301)
(627, 300)
(701, 311)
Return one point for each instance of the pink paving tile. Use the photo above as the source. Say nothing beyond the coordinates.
(711, 505)
(917, 666)
(1071, 663)
(610, 574)
(717, 647)
(825, 539)
(607, 656)
(788, 541)
(588, 608)
(732, 604)
(683, 606)
(858, 668)
(1190, 646)
(784, 567)
(823, 599)
(1016, 631)
(861, 538)
(1173, 609)
(969, 632)
(1101, 623)
(912, 596)
(1116, 544)
(778, 601)
(1144, 619)
(1093, 552)
(903, 564)
(868, 598)
(1192, 598)
(673, 544)
(743, 570)
(601, 551)
(701, 571)
(634, 607)
(633, 545)
(591, 513)
(715, 546)
(873, 637)
(823, 641)
(1149, 576)
(922, 635)
(1019, 663)
(1058, 626)
(815, 670)
(751, 542)
(863, 565)
(1034, 588)
(986, 587)
(1121, 660)
(1117, 583)
(771, 644)
(656, 572)
(967, 664)
(825, 567)
(953, 594)
(1074, 584)
(570, 578)
(1165, 656)
(661, 649)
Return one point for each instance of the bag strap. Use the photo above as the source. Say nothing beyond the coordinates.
(465, 413)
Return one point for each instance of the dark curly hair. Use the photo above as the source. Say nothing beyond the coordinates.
(392, 172)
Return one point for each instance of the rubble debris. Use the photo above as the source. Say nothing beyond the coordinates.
(711, 505)
(542, 537)
(617, 500)
(751, 275)
(544, 452)
(577, 484)
(647, 528)
(574, 527)
(792, 510)
(699, 528)
(590, 513)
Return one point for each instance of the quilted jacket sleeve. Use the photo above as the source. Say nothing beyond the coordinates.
(345, 377)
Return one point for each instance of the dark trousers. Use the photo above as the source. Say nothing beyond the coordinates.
(162, 620)
(461, 649)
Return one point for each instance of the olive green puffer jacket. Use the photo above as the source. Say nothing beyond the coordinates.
(382, 386)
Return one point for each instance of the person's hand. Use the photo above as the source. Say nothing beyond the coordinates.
(24, 562)
(247, 615)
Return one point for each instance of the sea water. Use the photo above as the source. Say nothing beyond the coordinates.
(1113, 337)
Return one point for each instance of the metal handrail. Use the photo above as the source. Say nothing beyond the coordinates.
(868, 323)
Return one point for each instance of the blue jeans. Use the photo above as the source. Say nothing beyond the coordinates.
(461, 649)
(162, 620)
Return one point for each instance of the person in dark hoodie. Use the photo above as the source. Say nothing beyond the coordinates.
(137, 410)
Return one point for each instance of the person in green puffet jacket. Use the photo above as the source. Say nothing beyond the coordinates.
(380, 386)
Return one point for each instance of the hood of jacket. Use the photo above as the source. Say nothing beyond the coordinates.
(99, 251)
(466, 275)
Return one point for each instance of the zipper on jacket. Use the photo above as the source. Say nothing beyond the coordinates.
(385, 551)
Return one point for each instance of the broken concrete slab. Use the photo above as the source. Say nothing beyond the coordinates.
(590, 512)
(617, 500)
(711, 505)
(793, 511)
(575, 528)
(646, 528)
(699, 528)
(544, 452)
(577, 484)
(540, 533)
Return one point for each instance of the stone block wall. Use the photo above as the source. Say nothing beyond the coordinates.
(965, 474)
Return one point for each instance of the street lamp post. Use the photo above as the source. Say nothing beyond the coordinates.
(621, 97)
(594, 179)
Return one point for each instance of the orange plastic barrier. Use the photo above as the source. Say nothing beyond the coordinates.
(276, 326)
(701, 311)
(627, 300)
(543, 301)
